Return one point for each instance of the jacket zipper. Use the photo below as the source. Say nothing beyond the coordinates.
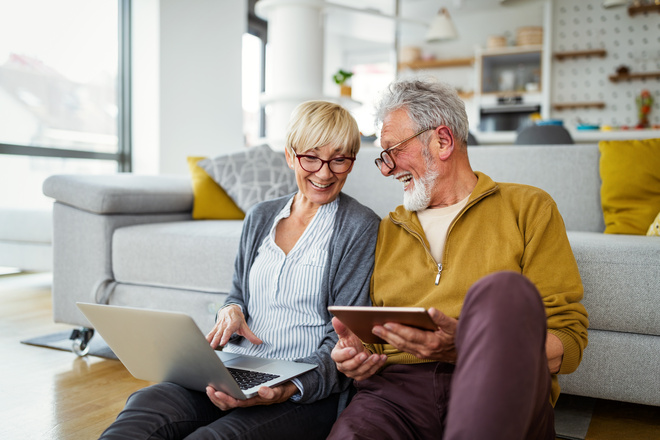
(437, 277)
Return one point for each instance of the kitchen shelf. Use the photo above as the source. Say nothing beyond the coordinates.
(631, 76)
(580, 53)
(572, 105)
(438, 64)
(642, 9)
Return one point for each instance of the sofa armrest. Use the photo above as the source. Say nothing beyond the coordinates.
(122, 193)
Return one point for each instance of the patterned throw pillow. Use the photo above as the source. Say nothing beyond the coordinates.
(252, 176)
(654, 229)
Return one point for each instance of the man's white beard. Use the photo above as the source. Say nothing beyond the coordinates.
(419, 198)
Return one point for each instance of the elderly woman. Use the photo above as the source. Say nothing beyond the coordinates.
(298, 255)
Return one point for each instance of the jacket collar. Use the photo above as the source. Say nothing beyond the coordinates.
(485, 186)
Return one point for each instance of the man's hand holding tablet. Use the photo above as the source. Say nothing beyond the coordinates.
(361, 320)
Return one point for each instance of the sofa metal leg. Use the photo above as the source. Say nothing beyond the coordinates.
(80, 340)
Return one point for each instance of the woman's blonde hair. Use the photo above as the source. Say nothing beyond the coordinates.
(316, 124)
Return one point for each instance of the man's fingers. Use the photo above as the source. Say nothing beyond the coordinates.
(443, 321)
(341, 330)
(344, 354)
(362, 366)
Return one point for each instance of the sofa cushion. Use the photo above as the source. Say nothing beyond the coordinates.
(630, 171)
(123, 193)
(252, 176)
(195, 255)
(211, 202)
(620, 285)
(568, 173)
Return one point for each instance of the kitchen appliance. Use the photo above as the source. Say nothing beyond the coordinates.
(508, 113)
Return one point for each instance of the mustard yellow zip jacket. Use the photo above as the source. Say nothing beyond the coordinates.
(504, 226)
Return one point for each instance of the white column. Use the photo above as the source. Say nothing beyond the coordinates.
(294, 61)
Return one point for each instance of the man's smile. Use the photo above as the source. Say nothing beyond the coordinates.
(405, 179)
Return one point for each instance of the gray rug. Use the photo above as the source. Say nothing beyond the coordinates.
(573, 416)
(572, 413)
(61, 341)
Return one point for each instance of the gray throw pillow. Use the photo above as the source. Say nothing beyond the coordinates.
(252, 176)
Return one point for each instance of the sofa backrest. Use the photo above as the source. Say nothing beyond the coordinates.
(570, 174)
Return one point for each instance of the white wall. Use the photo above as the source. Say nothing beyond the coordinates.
(187, 81)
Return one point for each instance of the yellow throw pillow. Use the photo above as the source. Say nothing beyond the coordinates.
(654, 229)
(211, 202)
(630, 190)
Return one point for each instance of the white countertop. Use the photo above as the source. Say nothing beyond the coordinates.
(579, 136)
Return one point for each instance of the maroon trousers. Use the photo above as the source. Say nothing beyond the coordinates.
(499, 388)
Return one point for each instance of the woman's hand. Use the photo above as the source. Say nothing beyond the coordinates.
(266, 396)
(351, 357)
(230, 320)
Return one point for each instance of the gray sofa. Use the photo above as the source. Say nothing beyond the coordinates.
(130, 240)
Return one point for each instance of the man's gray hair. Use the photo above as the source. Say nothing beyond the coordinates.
(428, 104)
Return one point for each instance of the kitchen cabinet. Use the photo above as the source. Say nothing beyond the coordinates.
(510, 69)
(509, 87)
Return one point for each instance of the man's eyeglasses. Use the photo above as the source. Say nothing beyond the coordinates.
(312, 164)
(387, 158)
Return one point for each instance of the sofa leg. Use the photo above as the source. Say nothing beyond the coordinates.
(80, 340)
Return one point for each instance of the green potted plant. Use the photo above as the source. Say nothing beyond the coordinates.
(340, 78)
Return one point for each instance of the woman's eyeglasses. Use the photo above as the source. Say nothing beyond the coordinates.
(312, 164)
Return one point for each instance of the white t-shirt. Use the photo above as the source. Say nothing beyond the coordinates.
(435, 222)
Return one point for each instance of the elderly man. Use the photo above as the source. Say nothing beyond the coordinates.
(492, 264)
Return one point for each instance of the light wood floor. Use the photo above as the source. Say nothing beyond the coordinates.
(50, 394)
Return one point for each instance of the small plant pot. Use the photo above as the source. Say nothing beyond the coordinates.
(345, 91)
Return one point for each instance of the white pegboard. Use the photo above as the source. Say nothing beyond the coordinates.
(630, 41)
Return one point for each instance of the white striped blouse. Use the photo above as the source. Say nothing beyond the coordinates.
(283, 307)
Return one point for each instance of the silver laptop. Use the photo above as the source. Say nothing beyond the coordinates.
(161, 346)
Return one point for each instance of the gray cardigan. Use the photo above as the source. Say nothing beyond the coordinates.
(346, 279)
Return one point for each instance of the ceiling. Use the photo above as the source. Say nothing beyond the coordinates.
(376, 25)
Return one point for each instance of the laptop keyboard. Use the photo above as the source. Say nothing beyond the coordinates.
(248, 379)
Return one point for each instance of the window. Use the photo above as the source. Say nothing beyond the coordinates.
(254, 77)
(63, 101)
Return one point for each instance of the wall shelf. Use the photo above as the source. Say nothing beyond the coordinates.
(580, 53)
(642, 9)
(631, 76)
(573, 105)
(438, 64)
